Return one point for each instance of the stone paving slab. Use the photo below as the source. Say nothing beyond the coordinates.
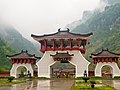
(41, 85)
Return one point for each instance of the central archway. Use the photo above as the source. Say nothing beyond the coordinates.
(51, 57)
(62, 69)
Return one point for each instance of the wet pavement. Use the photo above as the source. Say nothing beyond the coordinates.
(41, 85)
(113, 83)
(53, 85)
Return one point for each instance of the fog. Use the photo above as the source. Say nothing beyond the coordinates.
(43, 16)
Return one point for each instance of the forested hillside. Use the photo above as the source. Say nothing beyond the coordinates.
(11, 42)
(16, 41)
(106, 29)
(4, 62)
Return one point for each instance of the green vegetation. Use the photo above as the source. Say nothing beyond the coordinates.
(96, 88)
(85, 79)
(10, 79)
(91, 85)
(6, 82)
(88, 82)
(4, 62)
(11, 42)
(106, 31)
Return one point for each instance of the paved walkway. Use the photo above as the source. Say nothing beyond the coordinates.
(113, 83)
(56, 85)
(42, 85)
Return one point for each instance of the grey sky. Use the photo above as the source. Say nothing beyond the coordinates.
(43, 16)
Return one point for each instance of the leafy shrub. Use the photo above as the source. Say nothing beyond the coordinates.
(92, 84)
(85, 79)
(4, 77)
(10, 78)
(95, 77)
(117, 77)
(43, 78)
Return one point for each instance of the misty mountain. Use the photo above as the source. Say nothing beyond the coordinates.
(105, 26)
(111, 2)
(16, 41)
(85, 17)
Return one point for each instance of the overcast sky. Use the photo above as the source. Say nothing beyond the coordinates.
(43, 16)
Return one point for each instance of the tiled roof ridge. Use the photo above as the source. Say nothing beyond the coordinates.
(68, 31)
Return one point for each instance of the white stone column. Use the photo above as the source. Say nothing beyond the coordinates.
(81, 64)
(44, 64)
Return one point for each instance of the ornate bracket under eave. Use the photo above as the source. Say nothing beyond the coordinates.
(62, 56)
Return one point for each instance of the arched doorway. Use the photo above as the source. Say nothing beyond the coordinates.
(21, 71)
(18, 68)
(62, 70)
(107, 71)
(113, 67)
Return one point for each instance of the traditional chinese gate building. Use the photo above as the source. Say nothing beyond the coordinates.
(62, 46)
(20, 60)
(106, 58)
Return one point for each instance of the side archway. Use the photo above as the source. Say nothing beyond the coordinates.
(16, 69)
(107, 71)
(113, 66)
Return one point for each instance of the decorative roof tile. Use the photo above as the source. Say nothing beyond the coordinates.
(105, 53)
(23, 55)
(61, 34)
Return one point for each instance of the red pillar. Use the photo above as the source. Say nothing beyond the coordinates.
(41, 44)
(70, 43)
(25, 61)
(94, 60)
(84, 42)
(79, 42)
(106, 60)
(102, 60)
(21, 61)
(17, 61)
(62, 43)
(13, 61)
(45, 44)
(53, 42)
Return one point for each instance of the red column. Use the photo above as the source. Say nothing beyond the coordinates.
(102, 60)
(94, 60)
(29, 61)
(70, 43)
(53, 42)
(110, 59)
(62, 42)
(98, 60)
(21, 61)
(17, 61)
(107, 60)
(40, 44)
(13, 61)
(84, 42)
(79, 42)
(25, 61)
(45, 44)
